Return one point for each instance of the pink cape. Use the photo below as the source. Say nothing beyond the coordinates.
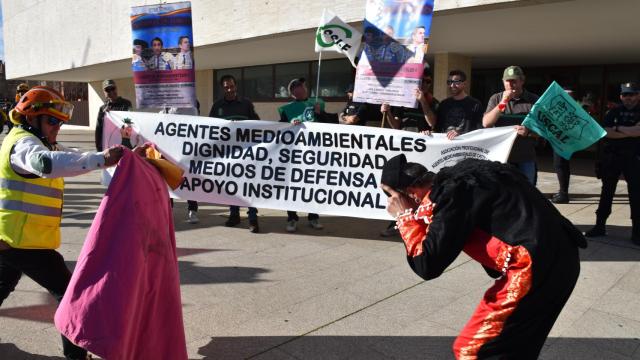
(123, 301)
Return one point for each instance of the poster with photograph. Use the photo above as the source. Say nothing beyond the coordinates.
(396, 38)
(162, 62)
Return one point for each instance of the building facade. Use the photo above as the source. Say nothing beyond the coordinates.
(588, 45)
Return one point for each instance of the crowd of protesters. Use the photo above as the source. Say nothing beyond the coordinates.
(455, 115)
(412, 189)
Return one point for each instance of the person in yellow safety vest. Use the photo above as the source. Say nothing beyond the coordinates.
(32, 167)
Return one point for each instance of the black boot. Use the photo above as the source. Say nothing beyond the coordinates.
(253, 226)
(560, 198)
(598, 230)
(232, 221)
(635, 235)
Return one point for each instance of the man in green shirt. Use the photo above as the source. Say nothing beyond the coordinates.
(302, 109)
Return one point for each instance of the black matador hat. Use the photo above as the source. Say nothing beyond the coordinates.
(393, 174)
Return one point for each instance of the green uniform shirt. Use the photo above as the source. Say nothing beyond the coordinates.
(302, 110)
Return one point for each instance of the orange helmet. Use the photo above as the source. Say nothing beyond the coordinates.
(43, 100)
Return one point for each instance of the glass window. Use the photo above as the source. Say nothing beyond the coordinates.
(590, 90)
(536, 80)
(287, 72)
(236, 73)
(258, 82)
(485, 83)
(335, 77)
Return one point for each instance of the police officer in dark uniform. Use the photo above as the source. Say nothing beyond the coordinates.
(621, 155)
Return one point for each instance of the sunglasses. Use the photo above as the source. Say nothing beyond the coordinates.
(54, 121)
(454, 82)
(628, 94)
(109, 89)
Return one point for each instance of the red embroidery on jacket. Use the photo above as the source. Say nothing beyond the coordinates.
(414, 226)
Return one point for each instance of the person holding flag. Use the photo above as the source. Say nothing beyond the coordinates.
(303, 109)
(509, 108)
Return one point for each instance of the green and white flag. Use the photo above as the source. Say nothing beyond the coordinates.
(334, 34)
(559, 119)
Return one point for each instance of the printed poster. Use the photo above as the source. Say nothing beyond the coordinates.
(396, 37)
(162, 62)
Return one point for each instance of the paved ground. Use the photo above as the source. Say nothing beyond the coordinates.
(344, 292)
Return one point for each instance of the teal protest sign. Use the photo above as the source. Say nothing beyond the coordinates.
(563, 122)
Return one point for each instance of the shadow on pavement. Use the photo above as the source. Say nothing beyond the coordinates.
(12, 352)
(219, 274)
(97, 191)
(396, 347)
(191, 274)
(581, 164)
(328, 347)
(334, 226)
(83, 198)
(592, 198)
(39, 313)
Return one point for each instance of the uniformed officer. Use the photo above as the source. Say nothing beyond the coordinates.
(620, 155)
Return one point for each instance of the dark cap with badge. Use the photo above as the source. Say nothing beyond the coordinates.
(513, 73)
(108, 84)
(629, 88)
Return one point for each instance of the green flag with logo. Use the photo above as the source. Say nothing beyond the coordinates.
(563, 122)
(334, 34)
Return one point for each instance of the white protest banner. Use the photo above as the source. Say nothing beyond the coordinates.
(321, 168)
(334, 34)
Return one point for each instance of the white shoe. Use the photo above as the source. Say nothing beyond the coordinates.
(292, 226)
(316, 224)
(192, 217)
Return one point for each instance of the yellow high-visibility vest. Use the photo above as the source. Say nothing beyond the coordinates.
(30, 208)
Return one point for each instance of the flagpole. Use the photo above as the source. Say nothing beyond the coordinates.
(318, 80)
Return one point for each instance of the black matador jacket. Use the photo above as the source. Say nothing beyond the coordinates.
(491, 212)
